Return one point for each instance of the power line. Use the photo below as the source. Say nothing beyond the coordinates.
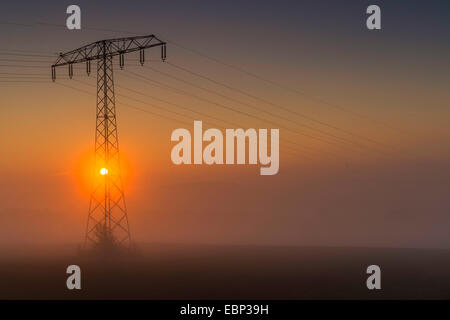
(23, 81)
(167, 102)
(179, 106)
(135, 33)
(273, 104)
(23, 77)
(257, 98)
(340, 139)
(126, 105)
(22, 74)
(164, 116)
(232, 66)
(245, 113)
(151, 105)
(26, 55)
(318, 99)
(261, 78)
(26, 51)
(21, 66)
(265, 111)
(18, 60)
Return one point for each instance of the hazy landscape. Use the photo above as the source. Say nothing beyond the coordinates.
(169, 271)
(360, 172)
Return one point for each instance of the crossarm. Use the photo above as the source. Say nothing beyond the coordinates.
(109, 48)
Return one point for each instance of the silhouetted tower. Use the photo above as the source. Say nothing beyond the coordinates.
(107, 219)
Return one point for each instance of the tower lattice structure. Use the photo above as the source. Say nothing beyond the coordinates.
(107, 221)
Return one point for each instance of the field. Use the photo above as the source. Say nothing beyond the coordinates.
(168, 271)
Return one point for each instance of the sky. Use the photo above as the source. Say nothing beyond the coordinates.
(363, 118)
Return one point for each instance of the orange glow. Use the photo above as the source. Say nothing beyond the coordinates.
(85, 173)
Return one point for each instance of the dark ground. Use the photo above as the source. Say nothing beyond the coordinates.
(231, 272)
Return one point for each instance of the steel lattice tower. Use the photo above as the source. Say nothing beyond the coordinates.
(107, 222)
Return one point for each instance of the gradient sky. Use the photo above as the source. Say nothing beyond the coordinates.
(386, 93)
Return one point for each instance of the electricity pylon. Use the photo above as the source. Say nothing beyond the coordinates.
(107, 222)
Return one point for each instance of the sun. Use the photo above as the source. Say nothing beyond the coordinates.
(103, 171)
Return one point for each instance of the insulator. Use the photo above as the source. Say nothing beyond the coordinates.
(163, 52)
(121, 60)
(70, 70)
(141, 57)
(53, 73)
(88, 67)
